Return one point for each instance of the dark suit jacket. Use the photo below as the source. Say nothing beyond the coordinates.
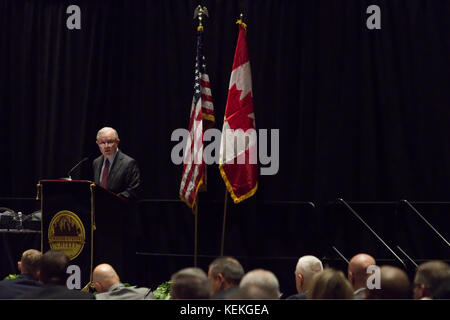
(223, 294)
(124, 177)
(298, 296)
(52, 291)
(13, 288)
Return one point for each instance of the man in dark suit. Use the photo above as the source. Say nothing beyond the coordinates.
(29, 266)
(119, 173)
(53, 275)
(114, 170)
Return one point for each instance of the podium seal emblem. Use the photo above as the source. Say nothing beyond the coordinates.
(66, 233)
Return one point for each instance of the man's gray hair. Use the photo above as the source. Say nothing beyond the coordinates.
(105, 129)
(190, 283)
(229, 267)
(263, 279)
(308, 266)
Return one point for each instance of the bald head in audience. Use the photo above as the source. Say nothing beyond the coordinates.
(357, 272)
(104, 276)
(394, 284)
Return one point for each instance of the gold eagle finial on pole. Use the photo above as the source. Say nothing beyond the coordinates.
(199, 12)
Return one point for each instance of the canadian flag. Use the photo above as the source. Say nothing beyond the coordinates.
(238, 149)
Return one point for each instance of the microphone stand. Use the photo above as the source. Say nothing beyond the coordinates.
(411, 260)
(71, 170)
(371, 230)
(340, 255)
(426, 221)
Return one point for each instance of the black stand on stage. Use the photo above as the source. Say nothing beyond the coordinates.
(91, 224)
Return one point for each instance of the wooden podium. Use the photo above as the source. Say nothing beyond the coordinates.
(89, 223)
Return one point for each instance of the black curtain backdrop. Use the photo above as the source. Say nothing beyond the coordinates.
(362, 114)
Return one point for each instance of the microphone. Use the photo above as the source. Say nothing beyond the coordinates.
(371, 230)
(76, 166)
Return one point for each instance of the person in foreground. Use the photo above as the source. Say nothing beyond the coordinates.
(258, 284)
(190, 283)
(429, 276)
(225, 274)
(29, 267)
(108, 285)
(307, 267)
(394, 284)
(357, 273)
(53, 275)
(330, 284)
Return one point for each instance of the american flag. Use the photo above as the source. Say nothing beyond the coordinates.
(202, 118)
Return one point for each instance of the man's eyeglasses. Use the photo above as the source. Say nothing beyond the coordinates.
(106, 143)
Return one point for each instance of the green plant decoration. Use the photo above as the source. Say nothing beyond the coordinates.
(163, 291)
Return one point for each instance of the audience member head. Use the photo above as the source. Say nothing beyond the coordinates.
(357, 270)
(260, 282)
(427, 278)
(224, 273)
(104, 276)
(330, 284)
(54, 265)
(190, 283)
(394, 284)
(30, 263)
(307, 267)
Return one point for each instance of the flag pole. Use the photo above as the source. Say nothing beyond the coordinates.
(224, 222)
(198, 13)
(196, 233)
(222, 243)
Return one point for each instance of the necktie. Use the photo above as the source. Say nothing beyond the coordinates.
(105, 174)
